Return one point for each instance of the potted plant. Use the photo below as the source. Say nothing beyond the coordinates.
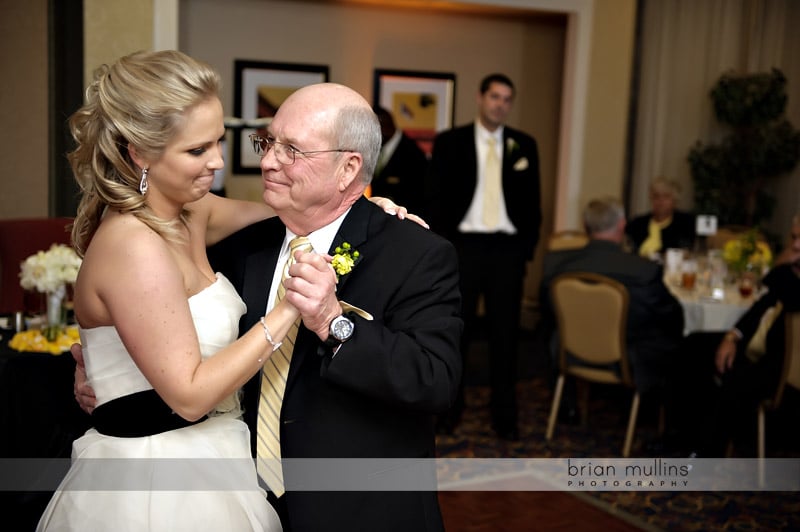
(730, 176)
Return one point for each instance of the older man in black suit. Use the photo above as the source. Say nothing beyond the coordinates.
(485, 183)
(363, 383)
(655, 317)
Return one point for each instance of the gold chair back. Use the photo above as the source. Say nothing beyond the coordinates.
(591, 315)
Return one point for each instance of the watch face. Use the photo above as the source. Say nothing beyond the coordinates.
(342, 328)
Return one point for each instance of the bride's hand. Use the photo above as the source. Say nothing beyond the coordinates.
(390, 207)
(84, 394)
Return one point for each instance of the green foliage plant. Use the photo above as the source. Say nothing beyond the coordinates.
(730, 176)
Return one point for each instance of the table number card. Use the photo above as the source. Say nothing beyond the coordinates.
(706, 224)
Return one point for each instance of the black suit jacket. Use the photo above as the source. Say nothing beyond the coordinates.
(402, 179)
(378, 396)
(783, 285)
(454, 166)
(655, 317)
(680, 233)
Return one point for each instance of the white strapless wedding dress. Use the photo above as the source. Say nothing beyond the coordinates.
(230, 504)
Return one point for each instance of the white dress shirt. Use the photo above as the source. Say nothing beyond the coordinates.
(473, 220)
(321, 241)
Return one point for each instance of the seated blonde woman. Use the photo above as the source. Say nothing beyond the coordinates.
(664, 226)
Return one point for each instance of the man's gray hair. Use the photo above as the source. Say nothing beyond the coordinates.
(357, 128)
(602, 214)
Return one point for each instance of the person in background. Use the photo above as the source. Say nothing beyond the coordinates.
(402, 166)
(727, 373)
(485, 199)
(664, 226)
(655, 317)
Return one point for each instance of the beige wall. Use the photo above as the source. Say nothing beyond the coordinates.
(23, 108)
(529, 49)
(113, 28)
(608, 100)
(352, 40)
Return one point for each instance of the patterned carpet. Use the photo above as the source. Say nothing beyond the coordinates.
(602, 438)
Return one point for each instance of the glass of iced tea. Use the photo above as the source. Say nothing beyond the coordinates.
(688, 273)
(746, 285)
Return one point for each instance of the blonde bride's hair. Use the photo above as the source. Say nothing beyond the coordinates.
(139, 101)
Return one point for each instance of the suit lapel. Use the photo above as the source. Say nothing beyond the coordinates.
(507, 163)
(354, 229)
(257, 284)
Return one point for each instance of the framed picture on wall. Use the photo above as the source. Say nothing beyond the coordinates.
(259, 89)
(422, 103)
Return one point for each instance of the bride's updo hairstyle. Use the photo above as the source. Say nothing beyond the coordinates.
(138, 101)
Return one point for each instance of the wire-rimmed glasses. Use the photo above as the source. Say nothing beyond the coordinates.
(284, 153)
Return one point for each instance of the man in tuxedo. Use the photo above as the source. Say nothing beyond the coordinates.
(402, 166)
(485, 183)
(655, 317)
(372, 388)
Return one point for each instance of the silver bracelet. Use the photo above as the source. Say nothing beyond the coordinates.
(268, 336)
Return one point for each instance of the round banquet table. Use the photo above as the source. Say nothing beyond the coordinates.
(702, 313)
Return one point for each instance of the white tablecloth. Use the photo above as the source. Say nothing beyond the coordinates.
(703, 313)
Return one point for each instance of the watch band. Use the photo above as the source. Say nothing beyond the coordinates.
(732, 336)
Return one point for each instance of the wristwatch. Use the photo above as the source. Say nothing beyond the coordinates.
(340, 330)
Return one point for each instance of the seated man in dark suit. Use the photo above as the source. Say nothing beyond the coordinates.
(664, 226)
(655, 317)
(726, 374)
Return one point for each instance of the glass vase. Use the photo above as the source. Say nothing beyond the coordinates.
(55, 312)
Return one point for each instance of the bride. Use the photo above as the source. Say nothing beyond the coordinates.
(158, 326)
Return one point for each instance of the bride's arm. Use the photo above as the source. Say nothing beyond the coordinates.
(226, 215)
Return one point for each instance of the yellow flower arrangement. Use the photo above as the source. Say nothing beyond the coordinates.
(746, 251)
(35, 340)
(344, 259)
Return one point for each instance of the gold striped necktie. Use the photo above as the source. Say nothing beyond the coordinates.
(273, 384)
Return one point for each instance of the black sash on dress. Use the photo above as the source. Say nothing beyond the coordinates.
(136, 415)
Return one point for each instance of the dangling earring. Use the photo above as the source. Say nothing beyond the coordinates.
(143, 182)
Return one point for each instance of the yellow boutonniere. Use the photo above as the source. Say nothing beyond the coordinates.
(344, 259)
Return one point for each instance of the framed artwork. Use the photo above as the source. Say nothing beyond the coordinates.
(422, 103)
(259, 89)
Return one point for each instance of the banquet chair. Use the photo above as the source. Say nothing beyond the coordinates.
(20, 238)
(591, 314)
(567, 239)
(790, 376)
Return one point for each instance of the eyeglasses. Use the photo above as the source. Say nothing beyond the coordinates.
(284, 153)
